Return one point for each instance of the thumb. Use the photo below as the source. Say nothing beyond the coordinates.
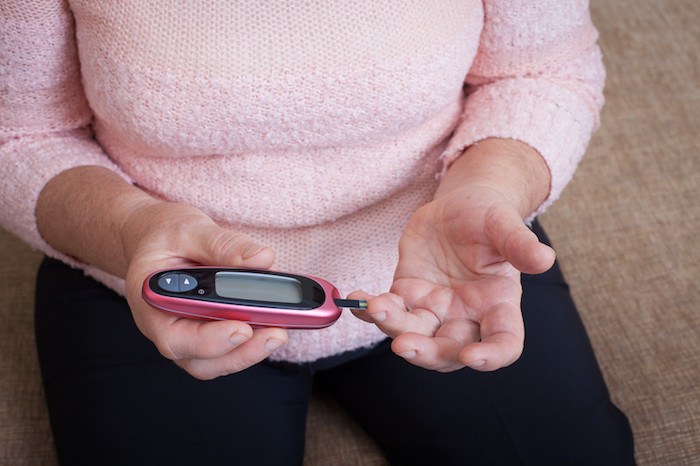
(214, 245)
(517, 243)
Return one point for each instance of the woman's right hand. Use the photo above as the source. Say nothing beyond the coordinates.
(170, 235)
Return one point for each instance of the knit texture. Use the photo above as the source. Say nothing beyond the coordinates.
(316, 128)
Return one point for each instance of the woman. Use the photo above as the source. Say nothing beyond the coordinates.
(314, 139)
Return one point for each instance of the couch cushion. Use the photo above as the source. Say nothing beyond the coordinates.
(626, 229)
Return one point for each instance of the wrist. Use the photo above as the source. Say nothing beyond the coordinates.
(159, 226)
(135, 225)
(514, 169)
(81, 211)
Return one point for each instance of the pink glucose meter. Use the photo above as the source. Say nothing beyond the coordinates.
(262, 298)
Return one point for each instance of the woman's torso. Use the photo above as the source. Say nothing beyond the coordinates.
(313, 127)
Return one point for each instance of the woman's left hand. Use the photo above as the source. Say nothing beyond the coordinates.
(455, 299)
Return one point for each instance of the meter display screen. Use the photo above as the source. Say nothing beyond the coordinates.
(258, 287)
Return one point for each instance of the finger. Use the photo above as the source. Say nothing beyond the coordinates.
(391, 315)
(516, 242)
(189, 338)
(362, 313)
(213, 245)
(502, 338)
(525, 251)
(263, 343)
(440, 352)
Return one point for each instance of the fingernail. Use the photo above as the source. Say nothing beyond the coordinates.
(476, 364)
(408, 354)
(251, 250)
(379, 316)
(237, 338)
(273, 343)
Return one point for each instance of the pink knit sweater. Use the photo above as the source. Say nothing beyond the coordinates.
(314, 127)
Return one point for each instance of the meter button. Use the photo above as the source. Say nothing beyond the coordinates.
(187, 282)
(169, 282)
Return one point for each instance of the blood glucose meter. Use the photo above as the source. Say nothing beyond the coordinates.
(262, 298)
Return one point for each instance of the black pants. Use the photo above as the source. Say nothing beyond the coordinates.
(114, 400)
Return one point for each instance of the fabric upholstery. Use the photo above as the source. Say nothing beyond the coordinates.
(626, 228)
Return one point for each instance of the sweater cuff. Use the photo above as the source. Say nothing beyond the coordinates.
(27, 165)
(550, 118)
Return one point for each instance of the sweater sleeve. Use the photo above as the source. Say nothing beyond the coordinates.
(537, 78)
(44, 116)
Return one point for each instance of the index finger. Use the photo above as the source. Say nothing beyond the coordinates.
(198, 339)
(389, 312)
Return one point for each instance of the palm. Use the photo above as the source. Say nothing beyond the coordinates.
(457, 285)
(454, 278)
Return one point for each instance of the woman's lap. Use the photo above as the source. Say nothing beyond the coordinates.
(112, 397)
(550, 407)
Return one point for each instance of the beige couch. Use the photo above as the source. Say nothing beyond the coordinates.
(626, 232)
